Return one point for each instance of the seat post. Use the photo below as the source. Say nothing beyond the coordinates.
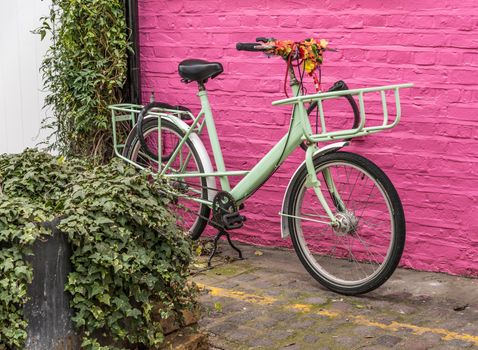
(213, 138)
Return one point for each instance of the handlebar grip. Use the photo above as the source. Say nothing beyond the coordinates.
(249, 47)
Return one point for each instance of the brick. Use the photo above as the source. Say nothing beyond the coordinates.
(424, 58)
(148, 22)
(353, 22)
(448, 58)
(462, 76)
(398, 57)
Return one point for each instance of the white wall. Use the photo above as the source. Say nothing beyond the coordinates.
(21, 53)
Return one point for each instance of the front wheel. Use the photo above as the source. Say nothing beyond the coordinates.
(361, 252)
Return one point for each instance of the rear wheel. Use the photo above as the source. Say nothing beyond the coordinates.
(192, 216)
(362, 252)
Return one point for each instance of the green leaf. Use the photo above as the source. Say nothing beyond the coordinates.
(103, 220)
(105, 299)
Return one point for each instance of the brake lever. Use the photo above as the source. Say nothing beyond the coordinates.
(264, 40)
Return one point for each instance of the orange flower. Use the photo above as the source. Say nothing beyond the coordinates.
(309, 50)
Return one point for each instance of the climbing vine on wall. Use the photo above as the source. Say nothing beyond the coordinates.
(129, 257)
(84, 71)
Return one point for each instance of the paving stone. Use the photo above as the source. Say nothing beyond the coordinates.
(245, 315)
(388, 340)
(420, 343)
(262, 341)
(228, 308)
(331, 327)
(264, 283)
(219, 327)
(230, 284)
(274, 292)
(315, 300)
(301, 324)
(471, 326)
(241, 334)
(431, 337)
(365, 331)
(460, 344)
(316, 316)
(267, 322)
(402, 309)
(311, 338)
(292, 294)
(383, 319)
(346, 341)
(221, 343)
(284, 315)
(246, 278)
(278, 334)
(341, 306)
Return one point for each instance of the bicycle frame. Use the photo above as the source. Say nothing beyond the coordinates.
(299, 130)
(253, 178)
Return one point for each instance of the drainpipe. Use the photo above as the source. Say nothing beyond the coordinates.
(133, 81)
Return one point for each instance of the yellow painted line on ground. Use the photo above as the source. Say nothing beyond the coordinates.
(418, 330)
(358, 319)
(251, 298)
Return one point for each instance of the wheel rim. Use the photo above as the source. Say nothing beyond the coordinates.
(352, 258)
(187, 210)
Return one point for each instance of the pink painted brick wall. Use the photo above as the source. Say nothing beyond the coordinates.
(432, 156)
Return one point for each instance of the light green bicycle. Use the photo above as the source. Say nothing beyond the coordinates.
(341, 211)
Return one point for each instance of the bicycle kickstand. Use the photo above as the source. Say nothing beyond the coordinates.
(216, 239)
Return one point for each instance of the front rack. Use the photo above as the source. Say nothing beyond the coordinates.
(361, 129)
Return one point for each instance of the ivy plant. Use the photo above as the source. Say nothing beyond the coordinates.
(130, 260)
(84, 71)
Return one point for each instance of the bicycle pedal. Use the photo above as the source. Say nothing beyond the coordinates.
(233, 221)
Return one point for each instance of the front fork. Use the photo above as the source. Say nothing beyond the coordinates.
(314, 182)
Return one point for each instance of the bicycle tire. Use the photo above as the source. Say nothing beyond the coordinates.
(133, 147)
(312, 251)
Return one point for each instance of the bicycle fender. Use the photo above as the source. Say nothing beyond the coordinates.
(202, 153)
(285, 203)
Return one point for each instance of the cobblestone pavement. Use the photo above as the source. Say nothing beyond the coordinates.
(269, 301)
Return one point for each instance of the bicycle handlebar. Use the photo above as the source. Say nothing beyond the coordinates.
(250, 47)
